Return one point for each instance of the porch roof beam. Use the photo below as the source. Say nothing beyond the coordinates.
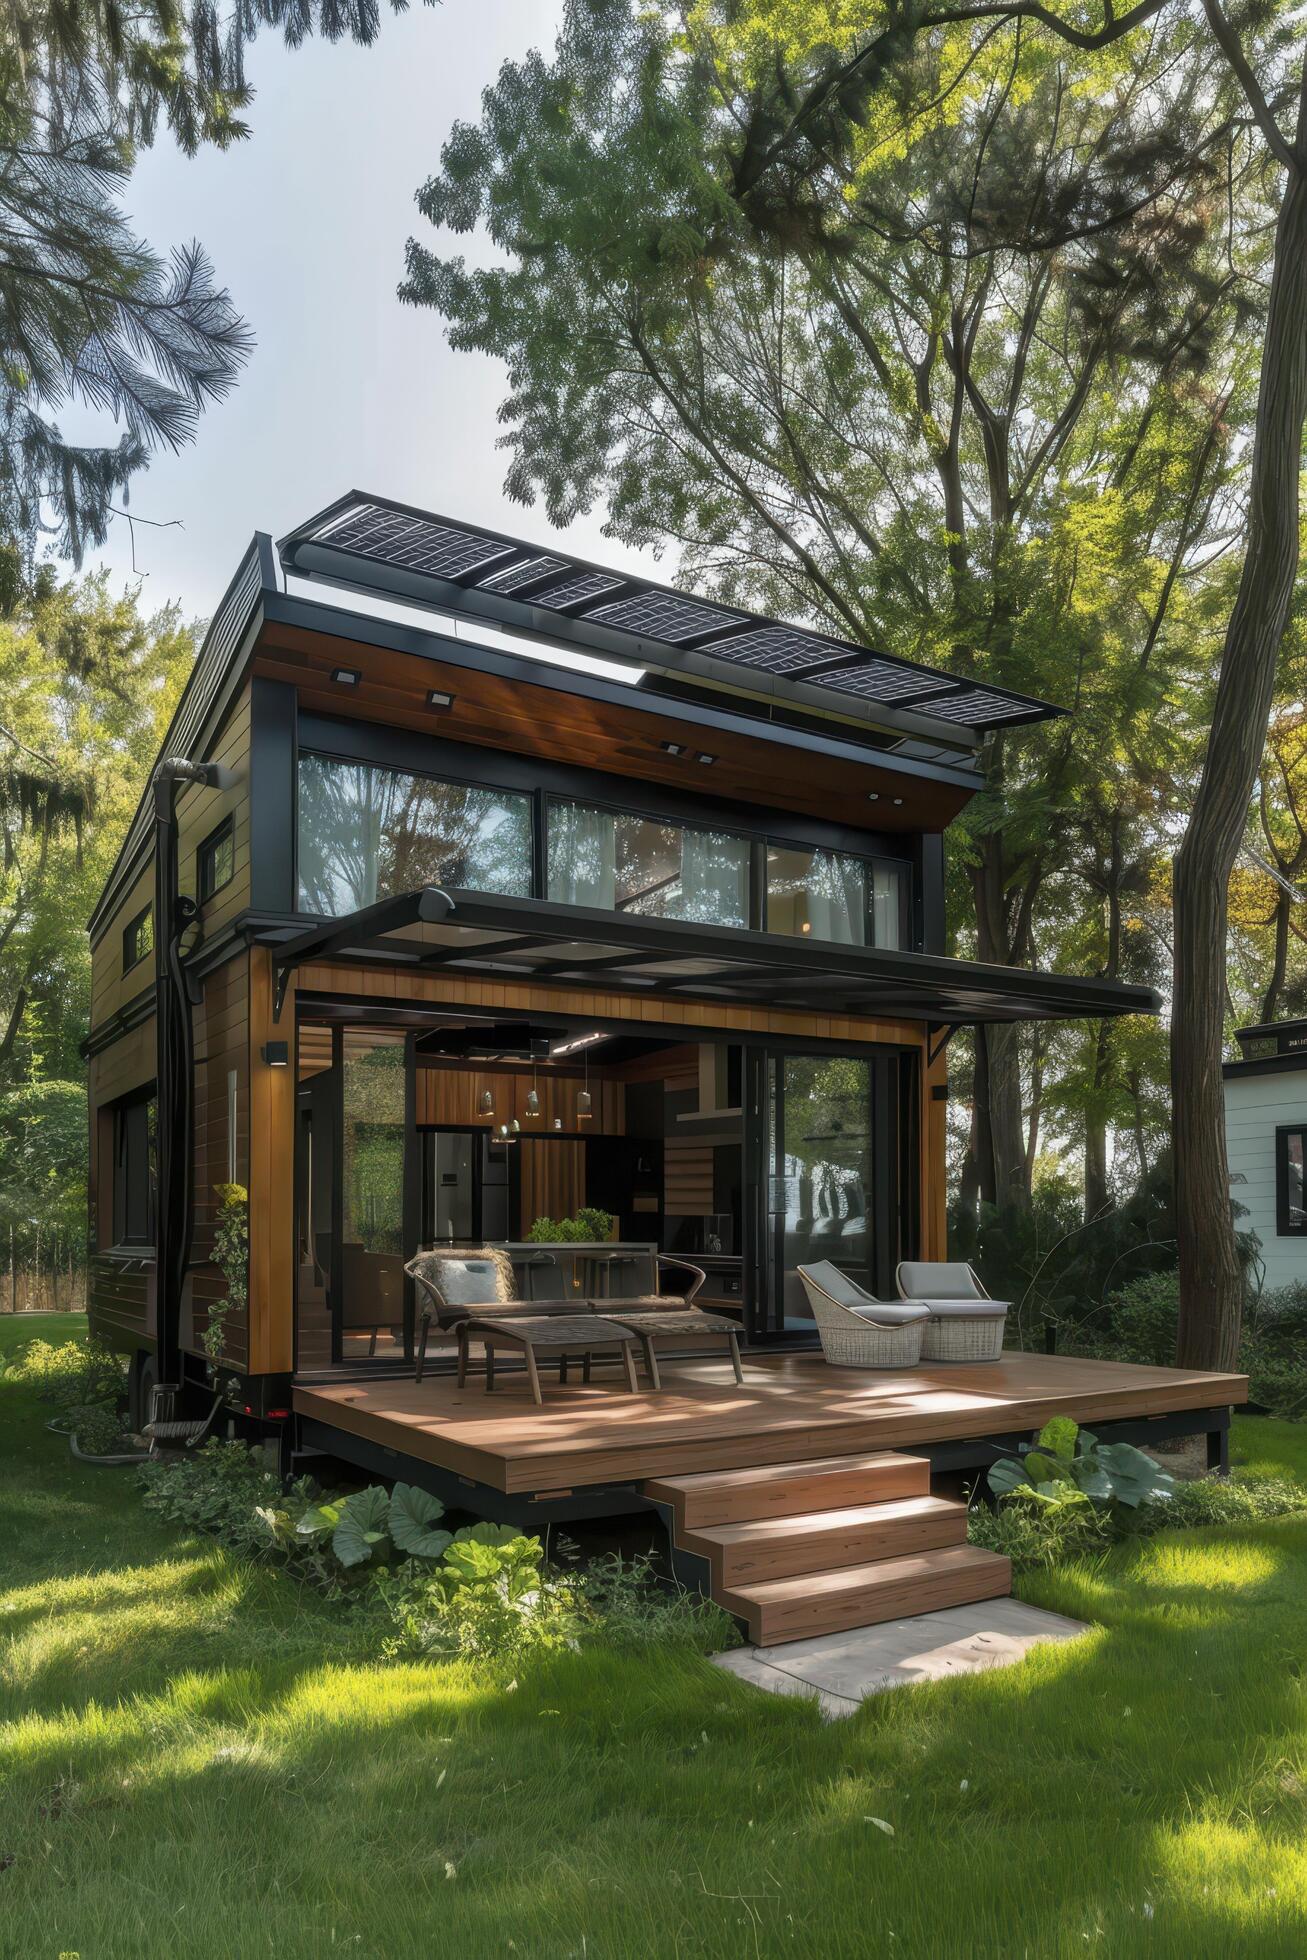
(427, 906)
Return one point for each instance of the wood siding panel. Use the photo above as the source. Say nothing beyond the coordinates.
(221, 1029)
(271, 1182)
(553, 1179)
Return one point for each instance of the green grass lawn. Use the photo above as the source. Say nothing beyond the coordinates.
(197, 1759)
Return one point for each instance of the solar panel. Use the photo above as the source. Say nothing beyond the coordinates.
(516, 576)
(780, 649)
(885, 680)
(584, 596)
(587, 585)
(664, 617)
(417, 544)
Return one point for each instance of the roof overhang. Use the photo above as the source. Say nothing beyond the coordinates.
(525, 940)
(541, 591)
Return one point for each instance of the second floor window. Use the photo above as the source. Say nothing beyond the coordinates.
(138, 938)
(620, 863)
(830, 895)
(367, 833)
(215, 861)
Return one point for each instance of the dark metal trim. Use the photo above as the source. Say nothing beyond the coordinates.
(1283, 1227)
(336, 936)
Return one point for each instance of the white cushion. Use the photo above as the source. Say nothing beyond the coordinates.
(938, 1279)
(891, 1313)
(966, 1309)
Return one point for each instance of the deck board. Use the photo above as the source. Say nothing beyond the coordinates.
(791, 1408)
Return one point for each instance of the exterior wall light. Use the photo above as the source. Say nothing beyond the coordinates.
(276, 1054)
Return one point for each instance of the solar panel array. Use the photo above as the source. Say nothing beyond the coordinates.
(439, 549)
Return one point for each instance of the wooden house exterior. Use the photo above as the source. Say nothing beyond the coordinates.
(693, 970)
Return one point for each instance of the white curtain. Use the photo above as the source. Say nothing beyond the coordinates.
(886, 905)
(714, 879)
(837, 898)
(582, 856)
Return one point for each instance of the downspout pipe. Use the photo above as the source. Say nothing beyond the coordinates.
(175, 1065)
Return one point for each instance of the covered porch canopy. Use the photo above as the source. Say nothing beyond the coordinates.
(526, 939)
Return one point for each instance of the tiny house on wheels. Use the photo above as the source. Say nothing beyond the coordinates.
(479, 886)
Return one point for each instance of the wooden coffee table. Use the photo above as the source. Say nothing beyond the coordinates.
(545, 1337)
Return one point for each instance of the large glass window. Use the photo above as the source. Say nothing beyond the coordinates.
(621, 863)
(851, 900)
(134, 1172)
(367, 833)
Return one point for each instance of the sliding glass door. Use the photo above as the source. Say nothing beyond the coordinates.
(834, 1146)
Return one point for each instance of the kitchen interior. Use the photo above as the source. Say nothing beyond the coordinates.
(470, 1131)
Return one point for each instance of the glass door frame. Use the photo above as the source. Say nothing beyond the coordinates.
(895, 1084)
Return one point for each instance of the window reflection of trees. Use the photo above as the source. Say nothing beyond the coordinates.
(826, 1162)
(366, 833)
(638, 865)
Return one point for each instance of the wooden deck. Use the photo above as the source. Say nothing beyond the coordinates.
(791, 1408)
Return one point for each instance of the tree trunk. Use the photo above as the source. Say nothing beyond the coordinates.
(1002, 1139)
(1211, 1283)
(1098, 1196)
(1280, 964)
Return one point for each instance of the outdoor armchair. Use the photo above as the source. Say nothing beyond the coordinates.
(857, 1330)
(965, 1324)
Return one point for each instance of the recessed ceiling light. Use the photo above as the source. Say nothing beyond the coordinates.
(701, 757)
(673, 748)
(898, 802)
(873, 796)
(437, 698)
(346, 676)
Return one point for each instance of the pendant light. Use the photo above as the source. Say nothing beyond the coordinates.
(533, 1093)
(583, 1106)
(487, 1103)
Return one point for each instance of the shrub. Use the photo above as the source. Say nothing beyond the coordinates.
(1034, 1535)
(586, 1227)
(98, 1431)
(73, 1375)
(1145, 1315)
(1040, 1534)
(487, 1598)
(628, 1605)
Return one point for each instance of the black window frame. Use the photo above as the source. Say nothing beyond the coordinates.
(133, 954)
(205, 857)
(1284, 1227)
(134, 1170)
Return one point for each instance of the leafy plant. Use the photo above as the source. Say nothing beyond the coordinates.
(371, 1523)
(1068, 1457)
(589, 1226)
(231, 1255)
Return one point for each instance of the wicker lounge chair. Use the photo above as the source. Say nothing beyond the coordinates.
(965, 1324)
(857, 1330)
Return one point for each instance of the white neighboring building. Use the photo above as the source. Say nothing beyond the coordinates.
(1266, 1144)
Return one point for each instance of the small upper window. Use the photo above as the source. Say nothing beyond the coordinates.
(138, 938)
(215, 860)
(1291, 1181)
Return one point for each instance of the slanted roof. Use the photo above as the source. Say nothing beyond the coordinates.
(373, 544)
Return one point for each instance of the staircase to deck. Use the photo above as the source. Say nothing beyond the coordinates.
(844, 1541)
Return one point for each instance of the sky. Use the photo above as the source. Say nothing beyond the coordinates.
(306, 223)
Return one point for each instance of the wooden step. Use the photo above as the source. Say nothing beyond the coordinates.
(777, 1610)
(818, 1541)
(785, 1490)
